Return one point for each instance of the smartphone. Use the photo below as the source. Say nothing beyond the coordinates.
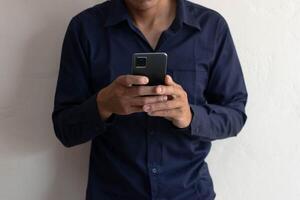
(153, 65)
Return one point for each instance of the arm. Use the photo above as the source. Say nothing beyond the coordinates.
(223, 115)
(76, 117)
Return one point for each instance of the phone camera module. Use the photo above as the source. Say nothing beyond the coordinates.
(141, 61)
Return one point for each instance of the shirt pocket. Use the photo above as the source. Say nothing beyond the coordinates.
(193, 79)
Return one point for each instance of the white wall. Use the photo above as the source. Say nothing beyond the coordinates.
(262, 163)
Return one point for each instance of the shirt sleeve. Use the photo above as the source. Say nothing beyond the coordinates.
(223, 115)
(75, 115)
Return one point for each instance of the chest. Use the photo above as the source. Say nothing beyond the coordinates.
(152, 35)
(188, 58)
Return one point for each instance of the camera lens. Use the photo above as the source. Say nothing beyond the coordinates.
(141, 61)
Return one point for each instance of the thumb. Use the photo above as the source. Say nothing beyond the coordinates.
(169, 80)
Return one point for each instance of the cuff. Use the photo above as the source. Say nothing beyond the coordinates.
(199, 121)
(92, 115)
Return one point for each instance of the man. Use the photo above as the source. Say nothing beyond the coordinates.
(148, 147)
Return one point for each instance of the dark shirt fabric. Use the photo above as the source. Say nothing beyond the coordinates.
(137, 156)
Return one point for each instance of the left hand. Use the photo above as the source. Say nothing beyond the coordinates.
(176, 109)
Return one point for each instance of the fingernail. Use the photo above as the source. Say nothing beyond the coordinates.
(145, 80)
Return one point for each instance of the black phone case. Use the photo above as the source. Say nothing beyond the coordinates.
(154, 68)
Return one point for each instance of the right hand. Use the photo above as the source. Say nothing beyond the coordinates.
(122, 98)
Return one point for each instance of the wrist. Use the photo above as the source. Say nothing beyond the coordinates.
(102, 110)
(185, 122)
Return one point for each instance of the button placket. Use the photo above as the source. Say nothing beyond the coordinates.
(153, 151)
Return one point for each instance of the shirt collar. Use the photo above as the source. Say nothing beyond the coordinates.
(185, 15)
(118, 13)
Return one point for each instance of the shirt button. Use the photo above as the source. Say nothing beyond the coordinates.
(154, 171)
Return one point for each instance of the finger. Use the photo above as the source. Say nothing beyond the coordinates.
(148, 100)
(169, 80)
(128, 80)
(170, 114)
(135, 91)
(168, 90)
(134, 109)
(154, 90)
(167, 105)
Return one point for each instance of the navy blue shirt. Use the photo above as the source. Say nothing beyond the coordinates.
(138, 156)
